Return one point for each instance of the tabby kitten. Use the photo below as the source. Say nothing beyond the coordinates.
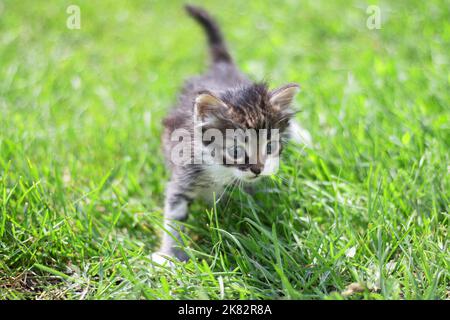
(221, 99)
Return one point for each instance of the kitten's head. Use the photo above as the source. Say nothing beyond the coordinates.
(258, 120)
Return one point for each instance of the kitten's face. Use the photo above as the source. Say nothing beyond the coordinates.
(253, 123)
(252, 153)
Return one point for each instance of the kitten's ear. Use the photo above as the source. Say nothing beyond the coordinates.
(282, 97)
(208, 107)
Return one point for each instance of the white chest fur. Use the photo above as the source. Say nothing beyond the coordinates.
(220, 178)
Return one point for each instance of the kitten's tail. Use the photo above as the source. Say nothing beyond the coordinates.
(218, 49)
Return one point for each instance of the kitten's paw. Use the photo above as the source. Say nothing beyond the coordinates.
(162, 260)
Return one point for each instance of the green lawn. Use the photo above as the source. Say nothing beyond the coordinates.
(82, 175)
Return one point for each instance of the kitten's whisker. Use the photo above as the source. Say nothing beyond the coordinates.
(225, 190)
(241, 182)
(233, 186)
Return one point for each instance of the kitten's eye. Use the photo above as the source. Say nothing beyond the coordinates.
(237, 153)
(272, 147)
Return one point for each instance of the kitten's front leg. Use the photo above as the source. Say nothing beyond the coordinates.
(175, 210)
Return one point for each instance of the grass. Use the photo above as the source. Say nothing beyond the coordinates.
(82, 176)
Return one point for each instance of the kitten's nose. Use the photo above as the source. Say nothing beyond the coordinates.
(255, 170)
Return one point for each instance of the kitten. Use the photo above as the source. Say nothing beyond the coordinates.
(222, 98)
